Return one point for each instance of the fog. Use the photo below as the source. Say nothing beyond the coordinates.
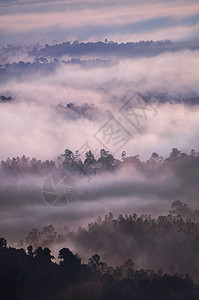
(59, 105)
(99, 152)
(42, 128)
(149, 190)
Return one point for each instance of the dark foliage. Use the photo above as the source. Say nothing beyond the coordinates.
(33, 275)
(169, 243)
(184, 166)
(129, 49)
(25, 165)
(5, 99)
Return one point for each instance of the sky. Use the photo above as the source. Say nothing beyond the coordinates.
(49, 21)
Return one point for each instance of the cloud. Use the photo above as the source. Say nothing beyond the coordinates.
(32, 124)
(83, 20)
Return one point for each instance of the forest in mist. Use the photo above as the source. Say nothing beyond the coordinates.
(101, 183)
(32, 274)
(124, 189)
(140, 258)
(166, 242)
(99, 152)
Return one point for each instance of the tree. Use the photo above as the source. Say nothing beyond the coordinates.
(90, 161)
(192, 153)
(106, 160)
(123, 155)
(68, 258)
(3, 244)
(33, 238)
(94, 261)
(30, 250)
(68, 157)
(128, 264)
(180, 208)
(47, 256)
(175, 153)
(43, 256)
(155, 158)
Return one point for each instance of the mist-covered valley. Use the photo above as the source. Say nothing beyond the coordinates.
(99, 153)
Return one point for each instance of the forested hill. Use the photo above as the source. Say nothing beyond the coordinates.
(33, 275)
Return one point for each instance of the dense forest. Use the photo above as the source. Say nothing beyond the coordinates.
(141, 257)
(88, 164)
(169, 243)
(129, 49)
(99, 154)
(175, 176)
(33, 275)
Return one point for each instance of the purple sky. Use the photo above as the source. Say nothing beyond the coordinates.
(46, 21)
